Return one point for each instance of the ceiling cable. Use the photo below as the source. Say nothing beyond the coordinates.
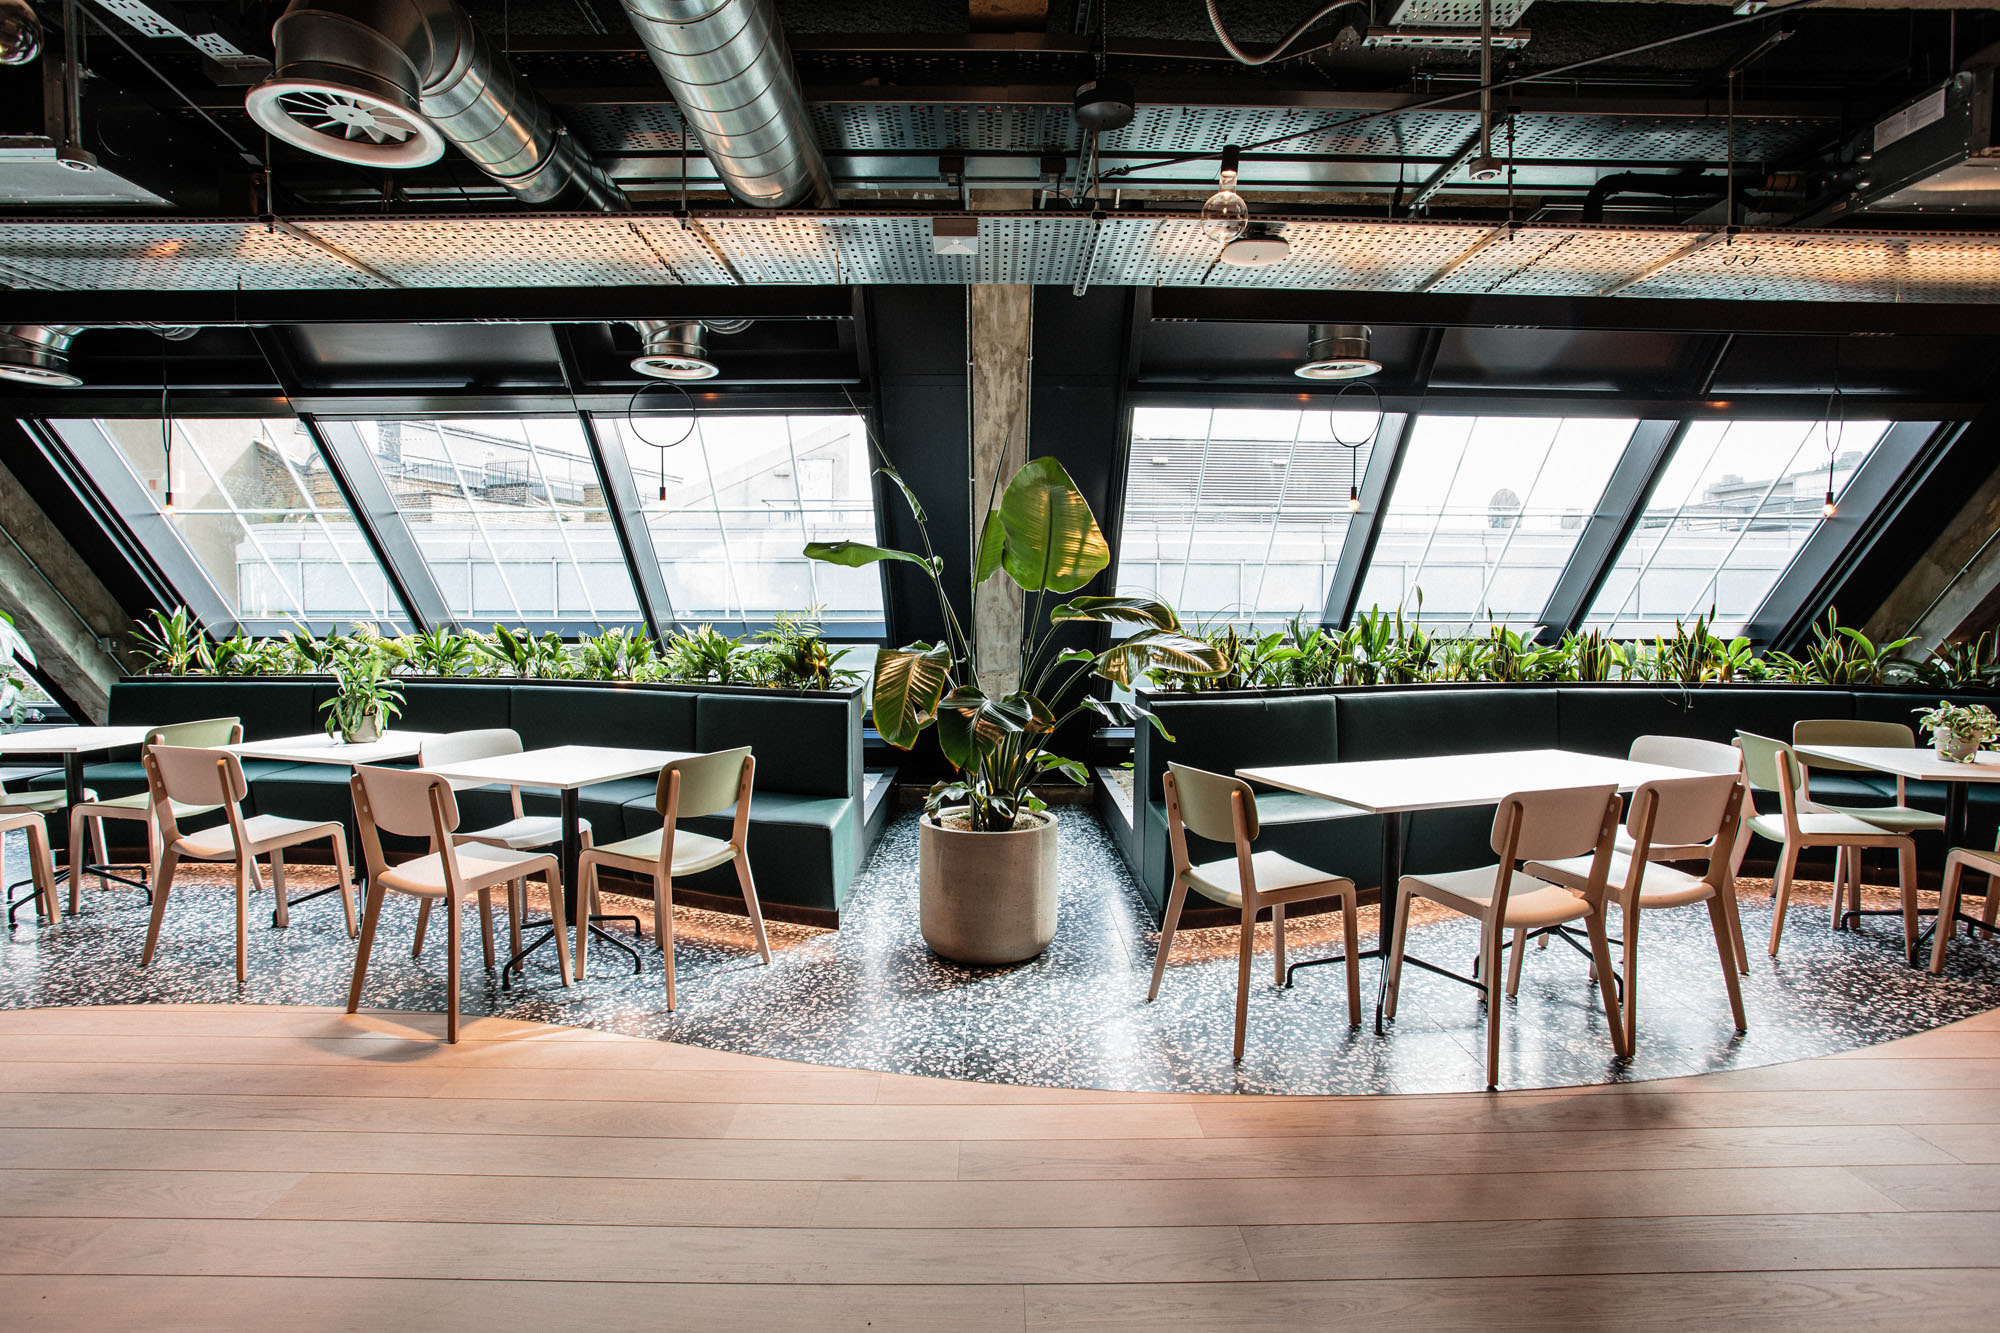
(1277, 52)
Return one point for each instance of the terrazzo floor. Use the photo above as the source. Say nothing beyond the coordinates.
(871, 996)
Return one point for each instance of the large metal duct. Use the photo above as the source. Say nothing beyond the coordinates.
(387, 83)
(39, 353)
(730, 70)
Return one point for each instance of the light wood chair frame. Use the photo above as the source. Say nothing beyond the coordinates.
(90, 815)
(1846, 907)
(41, 862)
(1956, 863)
(1508, 821)
(1244, 827)
(660, 869)
(442, 811)
(40, 802)
(244, 849)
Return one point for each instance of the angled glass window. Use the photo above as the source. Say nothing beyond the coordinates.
(254, 507)
(510, 516)
(1733, 507)
(731, 506)
(1240, 513)
(1486, 512)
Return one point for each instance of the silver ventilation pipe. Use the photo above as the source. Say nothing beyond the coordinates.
(675, 349)
(387, 83)
(730, 70)
(39, 353)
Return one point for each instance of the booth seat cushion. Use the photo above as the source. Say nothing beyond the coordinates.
(1349, 844)
(548, 715)
(805, 746)
(803, 849)
(1223, 734)
(303, 791)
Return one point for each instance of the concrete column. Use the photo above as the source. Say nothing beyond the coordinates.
(58, 604)
(1954, 585)
(1001, 356)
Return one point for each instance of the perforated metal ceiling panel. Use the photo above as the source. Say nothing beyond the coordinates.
(103, 254)
(781, 249)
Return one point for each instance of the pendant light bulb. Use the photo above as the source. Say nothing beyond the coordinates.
(1226, 216)
(1353, 500)
(1829, 509)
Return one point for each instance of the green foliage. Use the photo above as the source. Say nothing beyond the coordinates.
(173, 645)
(442, 651)
(1968, 722)
(517, 652)
(14, 652)
(705, 654)
(1843, 656)
(793, 655)
(365, 691)
(1973, 665)
(618, 654)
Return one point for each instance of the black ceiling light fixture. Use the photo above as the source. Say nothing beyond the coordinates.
(1833, 432)
(166, 434)
(662, 444)
(1353, 446)
(1104, 102)
(1337, 352)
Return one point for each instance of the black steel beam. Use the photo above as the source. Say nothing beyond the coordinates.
(1503, 402)
(1625, 495)
(1385, 461)
(1661, 315)
(445, 304)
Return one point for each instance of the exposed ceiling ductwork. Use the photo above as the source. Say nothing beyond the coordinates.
(677, 349)
(39, 353)
(731, 73)
(388, 83)
(20, 33)
(1337, 352)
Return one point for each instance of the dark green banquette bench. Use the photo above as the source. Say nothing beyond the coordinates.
(813, 814)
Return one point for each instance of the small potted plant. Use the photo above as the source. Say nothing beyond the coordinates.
(364, 701)
(1959, 730)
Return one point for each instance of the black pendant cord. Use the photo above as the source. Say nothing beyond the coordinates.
(632, 424)
(1353, 447)
(166, 433)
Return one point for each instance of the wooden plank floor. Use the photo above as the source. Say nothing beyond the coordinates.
(209, 1167)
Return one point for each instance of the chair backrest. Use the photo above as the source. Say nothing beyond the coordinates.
(1850, 731)
(708, 782)
(1552, 825)
(1698, 756)
(1205, 806)
(1768, 765)
(195, 775)
(1684, 811)
(209, 732)
(400, 801)
(459, 746)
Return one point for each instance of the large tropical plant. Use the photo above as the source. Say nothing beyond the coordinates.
(1040, 532)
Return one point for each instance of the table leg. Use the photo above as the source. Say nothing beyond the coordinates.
(572, 849)
(1392, 878)
(573, 899)
(1955, 817)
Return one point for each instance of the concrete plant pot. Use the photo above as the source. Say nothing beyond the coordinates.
(987, 899)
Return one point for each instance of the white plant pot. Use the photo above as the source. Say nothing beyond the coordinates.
(1955, 749)
(987, 899)
(369, 731)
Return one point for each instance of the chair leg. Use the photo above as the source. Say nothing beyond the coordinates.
(161, 883)
(558, 918)
(1172, 921)
(453, 943)
(1954, 873)
(243, 863)
(1718, 921)
(1600, 949)
(486, 924)
(517, 907)
(1491, 933)
(1628, 927)
(41, 868)
(1278, 942)
(1729, 909)
(369, 919)
(284, 908)
(423, 920)
(346, 880)
(587, 871)
(76, 823)
(103, 852)
(663, 929)
(1906, 880)
(1991, 916)
(1788, 862)
(1396, 954)
(1245, 942)
(749, 887)
(1350, 931)
(1514, 956)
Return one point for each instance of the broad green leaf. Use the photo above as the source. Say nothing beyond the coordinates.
(1118, 611)
(1160, 650)
(969, 722)
(916, 509)
(856, 554)
(908, 684)
(1117, 712)
(1069, 768)
(1053, 543)
(992, 545)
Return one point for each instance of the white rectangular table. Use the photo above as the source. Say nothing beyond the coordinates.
(1397, 788)
(1918, 765)
(566, 769)
(73, 743)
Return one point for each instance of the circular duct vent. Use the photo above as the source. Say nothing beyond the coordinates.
(28, 373)
(39, 354)
(674, 350)
(345, 123)
(1256, 248)
(1337, 352)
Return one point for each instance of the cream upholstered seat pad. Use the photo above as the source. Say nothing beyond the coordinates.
(1663, 886)
(39, 800)
(526, 831)
(1274, 872)
(1817, 821)
(139, 802)
(1530, 902)
(1893, 818)
(476, 865)
(219, 843)
(692, 851)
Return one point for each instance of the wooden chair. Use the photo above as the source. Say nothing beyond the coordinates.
(38, 803)
(1528, 826)
(1897, 818)
(1956, 863)
(411, 803)
(179, 776)
(138, 807)
(688, 788)
(1698, 756)
(1224, 809)
(1672, 815)
(1772, 765)
(41, 865)
(524, 832)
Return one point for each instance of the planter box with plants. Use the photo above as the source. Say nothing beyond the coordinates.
(1383, 690)
(814, 812)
